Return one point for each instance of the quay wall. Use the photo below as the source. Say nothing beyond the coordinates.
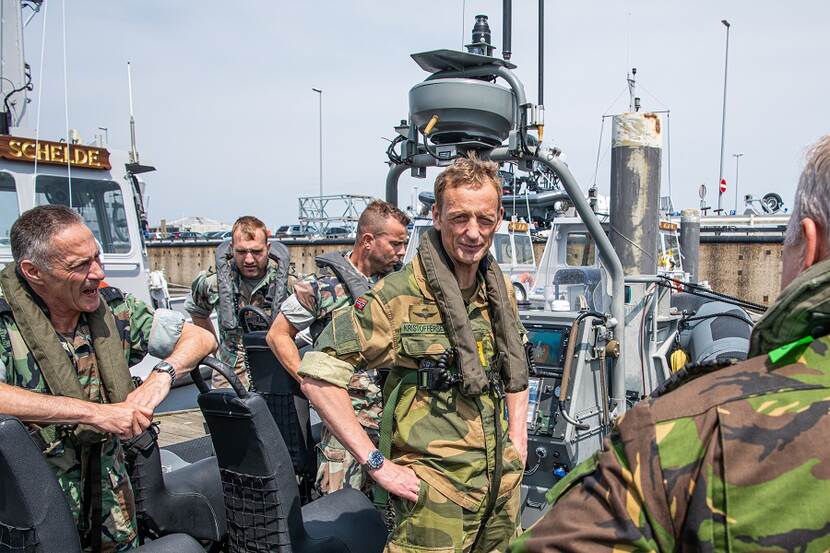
(744, 268)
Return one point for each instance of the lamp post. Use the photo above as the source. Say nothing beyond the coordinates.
(319, 91)
(737, 159)
(723, 119)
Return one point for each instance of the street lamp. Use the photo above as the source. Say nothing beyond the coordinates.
(319, 91)
(737, 159)
(723, 119)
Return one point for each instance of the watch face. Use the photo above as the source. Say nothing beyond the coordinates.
(375, 459)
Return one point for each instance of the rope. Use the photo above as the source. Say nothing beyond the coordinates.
(697, 290)
(40, 81)
(66, 103)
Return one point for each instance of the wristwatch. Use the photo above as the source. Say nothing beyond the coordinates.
(375, 460)
(167, 368)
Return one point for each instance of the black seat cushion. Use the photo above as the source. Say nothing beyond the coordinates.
(187, 500)
(175, 543)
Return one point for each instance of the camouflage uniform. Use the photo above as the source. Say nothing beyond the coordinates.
(735, 460)
(140, 334)
(203, 299)
(314, 300)
(448, 439)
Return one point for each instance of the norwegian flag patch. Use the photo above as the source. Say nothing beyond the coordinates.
(360, 303)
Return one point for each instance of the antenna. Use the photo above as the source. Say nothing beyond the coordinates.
(133, 149)
(633, 100)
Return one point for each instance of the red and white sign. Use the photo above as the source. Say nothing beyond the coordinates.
(722, 186)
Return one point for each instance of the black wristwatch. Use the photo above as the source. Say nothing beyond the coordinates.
(375, 460)
(167, 368)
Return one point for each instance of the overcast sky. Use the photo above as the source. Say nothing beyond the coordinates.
(225, 110)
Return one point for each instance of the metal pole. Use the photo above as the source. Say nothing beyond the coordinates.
(320, 111)
(737, 159)
(541, 100)
(723, 119)
(606, 251)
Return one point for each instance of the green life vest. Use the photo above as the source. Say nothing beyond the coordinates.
(441, 280)
(55, 366)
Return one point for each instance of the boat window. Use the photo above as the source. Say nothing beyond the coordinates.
(99, 202)
(503, 249)
(580, 250)
(524, 249)
(9, 211)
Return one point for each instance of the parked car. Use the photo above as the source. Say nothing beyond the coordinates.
(337, 232)
(294, 231)
(217, 235)
(186, 235)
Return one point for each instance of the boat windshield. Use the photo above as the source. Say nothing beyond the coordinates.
(9, 210)
(99, 202)
(580, 250)
(524, 249)
(503, 249)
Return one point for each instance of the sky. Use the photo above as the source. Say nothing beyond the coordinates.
(225, 110)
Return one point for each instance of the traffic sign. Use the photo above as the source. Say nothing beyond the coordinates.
(722, 186)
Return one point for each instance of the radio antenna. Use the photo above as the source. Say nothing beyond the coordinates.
(133, 149)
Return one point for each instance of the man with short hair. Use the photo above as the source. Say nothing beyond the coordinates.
(343, 277)
(447, 328)
(248, 271)
(734, 459)
(66, 342)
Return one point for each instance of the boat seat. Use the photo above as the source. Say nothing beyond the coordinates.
(34, 512)
(261, 493)
(287, 404)
(186, 500)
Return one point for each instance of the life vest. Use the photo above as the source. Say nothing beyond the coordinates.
(277, 291)
(354, 282)
(41, 340)
(441, 280)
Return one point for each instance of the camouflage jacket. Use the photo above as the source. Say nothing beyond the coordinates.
(204, 297)
(446, 438)
(735, 460)
(141, 332)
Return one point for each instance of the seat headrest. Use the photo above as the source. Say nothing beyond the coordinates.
(267, 373)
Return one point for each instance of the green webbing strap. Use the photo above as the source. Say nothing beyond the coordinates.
(387, 421)
(790, 351)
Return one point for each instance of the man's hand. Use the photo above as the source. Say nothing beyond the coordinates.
(398, 480)
(152, 391)
(519, 439)
(125, 420)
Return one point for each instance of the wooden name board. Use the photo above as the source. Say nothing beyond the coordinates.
(53, 153)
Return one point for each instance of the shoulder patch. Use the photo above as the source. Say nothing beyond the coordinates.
(360, 303)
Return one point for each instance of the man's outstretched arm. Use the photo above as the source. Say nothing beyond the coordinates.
(122, 419)
(280, 339)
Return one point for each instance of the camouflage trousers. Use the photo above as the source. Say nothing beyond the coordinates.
(119, 527)
(438, 525)
(235, 360)
(337, 468)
